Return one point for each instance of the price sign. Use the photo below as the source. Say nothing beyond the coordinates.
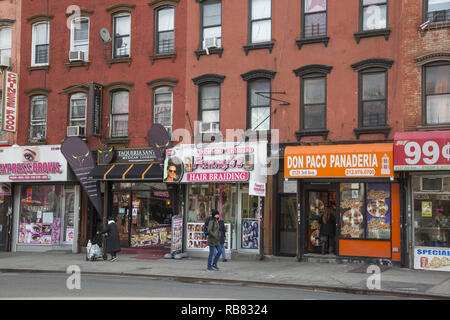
(422, 151)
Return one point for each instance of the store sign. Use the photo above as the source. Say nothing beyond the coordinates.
(134, 155)
(177, 234)
(217, 162)
(32, 163)
(343, 161)
(422, 151)
(95, 109)
(257, 189)
(434, 259)
(9, 101)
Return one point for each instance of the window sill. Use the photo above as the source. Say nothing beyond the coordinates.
(120, 140)
(373, 33)
(433, 127)
(76, 64)
(369, 130)
(163, 56)
(35, 142)
(311, 133)
(36, 68)
(257, 46)
(320, 39)
(199, 53)
(119, 60)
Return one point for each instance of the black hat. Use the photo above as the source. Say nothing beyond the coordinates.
(214, 212)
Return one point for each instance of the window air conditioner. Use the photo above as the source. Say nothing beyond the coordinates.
(5, 62)
(432, 184)
(74, 131)
(209, 43)
(76, 56)
(209, 127)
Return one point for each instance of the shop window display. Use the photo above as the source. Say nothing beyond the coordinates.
(202, 199)
(144, 214)
(365, 211)
(431, 211)
(45, 214)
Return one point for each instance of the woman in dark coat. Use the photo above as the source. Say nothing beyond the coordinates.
(327, 229)
(112, 239)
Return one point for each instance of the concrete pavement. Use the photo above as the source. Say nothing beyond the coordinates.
(272, 271)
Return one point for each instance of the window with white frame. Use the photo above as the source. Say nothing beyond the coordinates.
(212, 23)
(260, 21)
(5, 42)
(78, 104)
(374, 14)
(79, 40)
(163, 107)
(122, 35)
(40, 44)
(165, 34)
(209, 106)
(119, 113)
(38, 118)
(258, 105)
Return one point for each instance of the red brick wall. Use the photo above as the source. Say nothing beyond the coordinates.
(139, 72)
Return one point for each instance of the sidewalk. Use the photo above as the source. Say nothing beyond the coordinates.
(273, 271)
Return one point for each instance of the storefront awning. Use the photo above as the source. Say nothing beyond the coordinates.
(424, 150)
(339, 161)
(136, 171)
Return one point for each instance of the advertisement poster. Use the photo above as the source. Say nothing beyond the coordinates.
(177, 234)
(427, 209)
(197, 239)
(378, 211)
(218, 162)
(250, 234)
(152, 237)
(434, 259)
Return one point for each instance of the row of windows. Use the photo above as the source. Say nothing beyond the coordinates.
(162, 113)
(373, 16)
(373, 100)
(121, 37)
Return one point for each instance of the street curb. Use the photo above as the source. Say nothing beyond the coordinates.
(347, 290)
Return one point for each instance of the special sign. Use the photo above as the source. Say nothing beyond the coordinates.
(422, 150)
(349, 161)
(9, 101)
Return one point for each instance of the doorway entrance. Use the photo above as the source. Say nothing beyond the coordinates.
(318, 201)
(5, 220)
(287, 225)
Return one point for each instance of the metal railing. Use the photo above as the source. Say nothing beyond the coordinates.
(439, 16)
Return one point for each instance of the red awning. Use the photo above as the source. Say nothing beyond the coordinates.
(424, 150)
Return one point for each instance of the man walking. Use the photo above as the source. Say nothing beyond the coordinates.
(213, 240)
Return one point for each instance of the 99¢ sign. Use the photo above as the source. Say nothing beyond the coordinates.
(422, 154)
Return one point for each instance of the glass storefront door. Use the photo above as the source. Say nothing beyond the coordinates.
(288, 225)
(317, 203)
(121, 210)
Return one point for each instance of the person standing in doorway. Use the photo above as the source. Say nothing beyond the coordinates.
(112, 239)
(213, 240)
(327, 229)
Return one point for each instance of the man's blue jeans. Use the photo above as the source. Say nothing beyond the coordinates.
(213, 252)
(222, 251)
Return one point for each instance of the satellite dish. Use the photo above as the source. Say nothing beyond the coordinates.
(104, 33)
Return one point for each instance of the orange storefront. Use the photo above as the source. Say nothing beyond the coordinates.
(357, 186)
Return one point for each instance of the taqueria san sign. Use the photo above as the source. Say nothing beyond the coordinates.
(341, 161)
